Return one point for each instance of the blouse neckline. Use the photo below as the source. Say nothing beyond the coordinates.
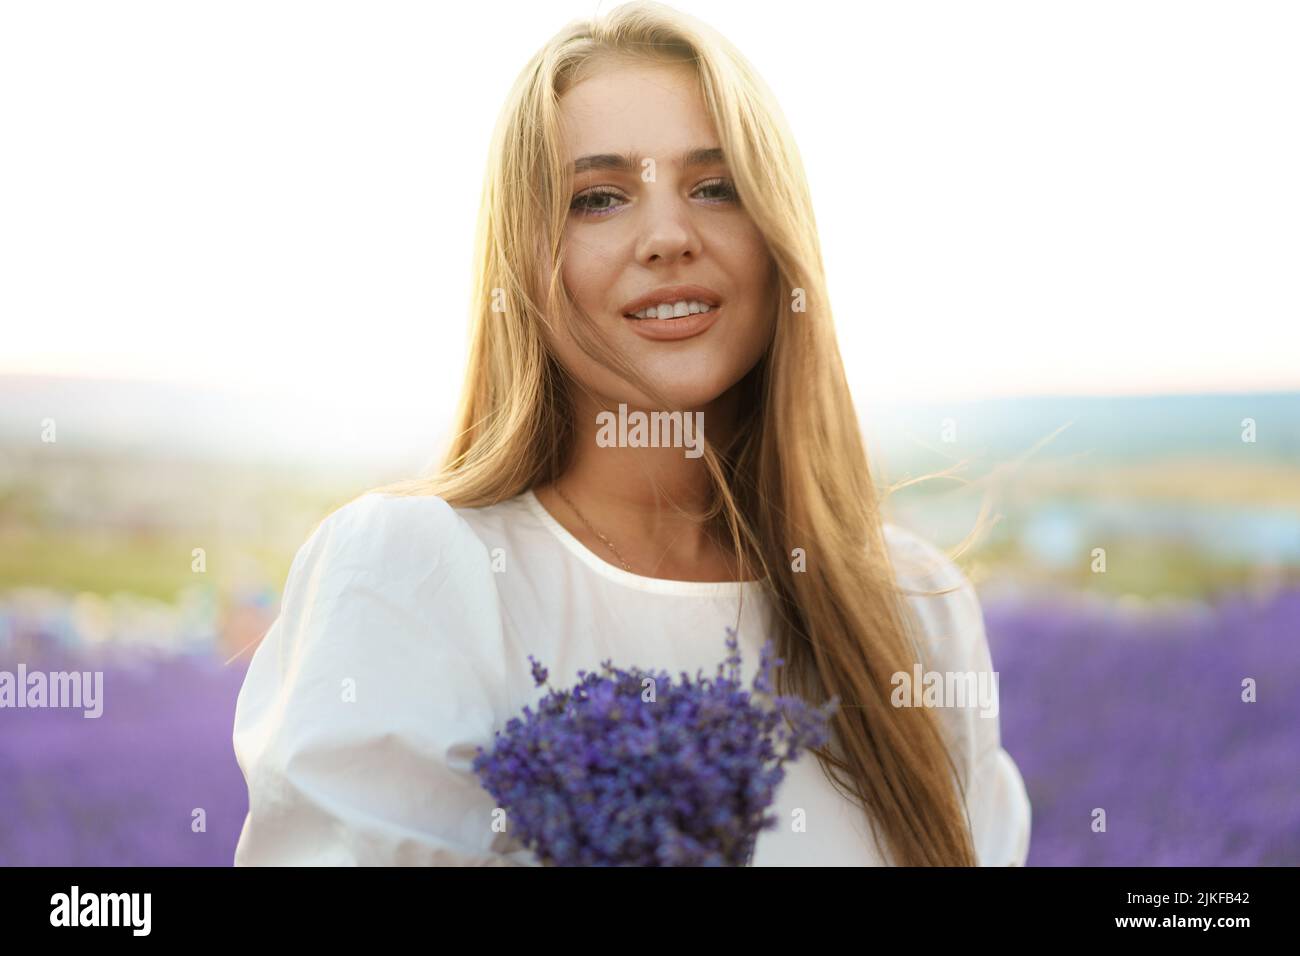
(628, 578)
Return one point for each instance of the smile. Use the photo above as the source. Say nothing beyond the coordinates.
(672, 310)
(675, 327)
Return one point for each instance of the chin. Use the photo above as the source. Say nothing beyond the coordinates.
(691, 380)
(680, 394)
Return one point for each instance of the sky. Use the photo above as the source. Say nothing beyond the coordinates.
(1012, 198)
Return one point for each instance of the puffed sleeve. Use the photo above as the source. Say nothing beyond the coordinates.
(954, 640)
(361, 707)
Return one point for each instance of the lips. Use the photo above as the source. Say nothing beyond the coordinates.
(670, 294)
(675, 329)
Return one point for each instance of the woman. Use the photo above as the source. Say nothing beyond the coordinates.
(646, 244)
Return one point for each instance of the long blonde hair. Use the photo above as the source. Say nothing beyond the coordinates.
(795, 474)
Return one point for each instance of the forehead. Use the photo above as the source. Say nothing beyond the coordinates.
(653, 109)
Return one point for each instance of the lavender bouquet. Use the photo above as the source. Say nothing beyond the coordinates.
(628, 769)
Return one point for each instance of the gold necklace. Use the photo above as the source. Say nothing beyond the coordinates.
(560, 492)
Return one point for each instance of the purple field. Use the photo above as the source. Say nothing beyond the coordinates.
(1138, 714)
(121, 789)
(1143, 717)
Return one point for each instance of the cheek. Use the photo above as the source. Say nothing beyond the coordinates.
(749, 339)
(754, 272)
(760, 267)
(742, 252)
(587, 274)
(573, 273)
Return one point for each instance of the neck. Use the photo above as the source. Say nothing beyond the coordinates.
(632, 495)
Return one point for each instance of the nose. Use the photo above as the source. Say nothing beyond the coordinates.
(668, 233)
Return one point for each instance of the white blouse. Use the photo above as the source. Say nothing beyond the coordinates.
(402, 644)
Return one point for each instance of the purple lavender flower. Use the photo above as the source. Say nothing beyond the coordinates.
(628, 769)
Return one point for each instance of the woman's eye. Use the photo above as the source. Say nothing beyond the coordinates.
(725, 190)
(589, 201)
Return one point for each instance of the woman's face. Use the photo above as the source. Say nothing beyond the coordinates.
(672, 221)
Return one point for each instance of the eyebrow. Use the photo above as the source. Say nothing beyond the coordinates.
(630, 162)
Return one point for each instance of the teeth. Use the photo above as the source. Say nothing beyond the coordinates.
(673, 310)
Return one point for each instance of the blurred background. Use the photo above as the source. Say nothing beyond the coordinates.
(1062, 253)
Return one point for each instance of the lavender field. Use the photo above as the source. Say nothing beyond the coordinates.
(122, 789)
(1136, 711)
(1140, 713)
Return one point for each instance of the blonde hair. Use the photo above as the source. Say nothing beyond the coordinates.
(795, 474)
